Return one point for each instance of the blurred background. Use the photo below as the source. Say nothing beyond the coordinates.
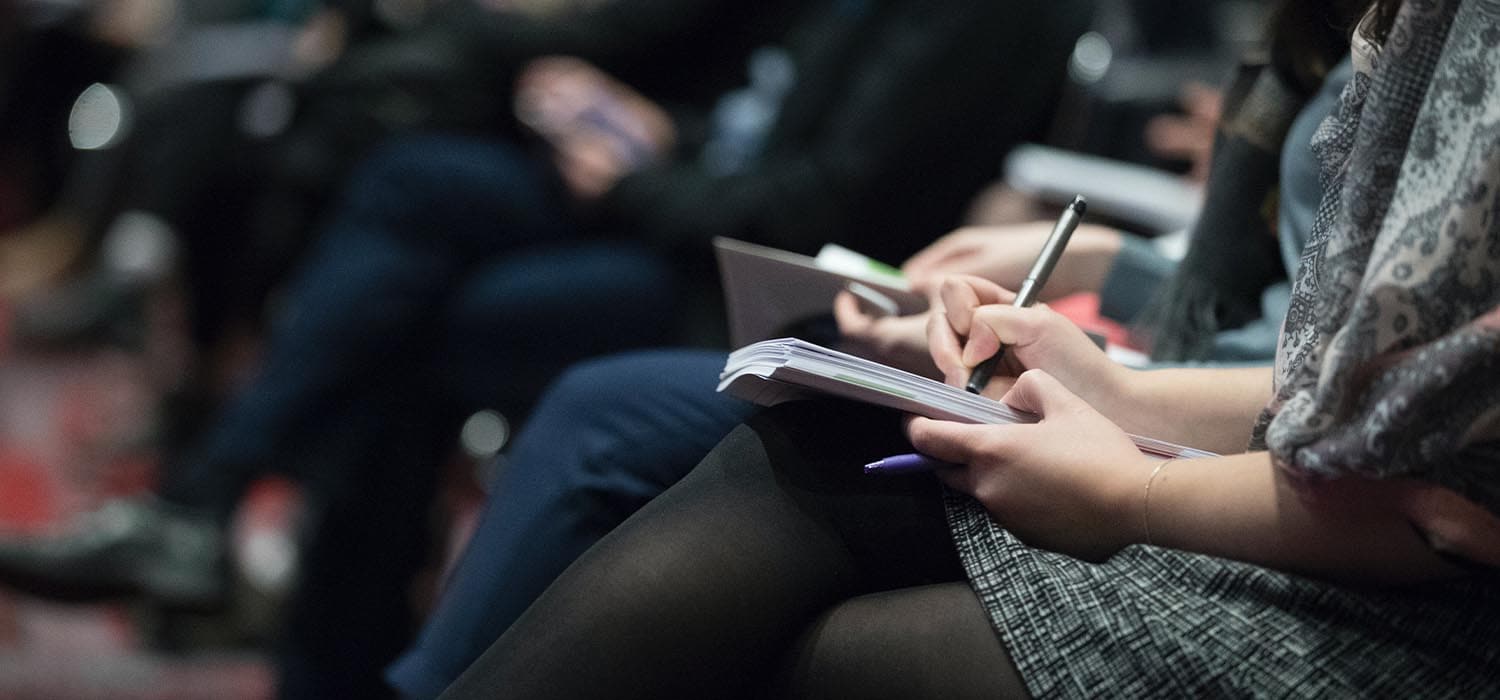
(163, 165)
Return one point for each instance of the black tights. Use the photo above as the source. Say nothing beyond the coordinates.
(776, 568)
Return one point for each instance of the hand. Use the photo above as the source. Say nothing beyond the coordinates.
(1189, 136)
(590, 162)
(1072, 483)
(1452, 523)
(1004, 254)
(977, 318)
(998, 204)
(132, 24)
(898, 341)
(600, 130)
(321, 40)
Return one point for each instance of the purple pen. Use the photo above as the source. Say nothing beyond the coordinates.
(904, 464)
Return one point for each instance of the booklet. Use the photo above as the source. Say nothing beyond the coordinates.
(766, 290)
(783, 369)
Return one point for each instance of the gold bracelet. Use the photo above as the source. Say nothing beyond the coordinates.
(1146, 512)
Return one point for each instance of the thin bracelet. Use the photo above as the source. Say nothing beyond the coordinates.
(1146, 512)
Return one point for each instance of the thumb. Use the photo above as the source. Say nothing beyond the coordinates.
(1037, 392)
(948, 441)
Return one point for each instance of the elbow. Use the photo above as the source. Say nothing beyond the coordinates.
(1454, 526)
(1416, 531)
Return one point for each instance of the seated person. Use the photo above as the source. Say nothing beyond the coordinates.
(1349, 550)
(611, 434)
(453, 275)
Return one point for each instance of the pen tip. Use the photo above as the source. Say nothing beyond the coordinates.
(1080, 204)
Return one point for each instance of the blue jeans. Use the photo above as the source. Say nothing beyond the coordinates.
(609, 436)
(452, 277)
(453, 260)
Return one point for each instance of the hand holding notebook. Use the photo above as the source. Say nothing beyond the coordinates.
(773, 371)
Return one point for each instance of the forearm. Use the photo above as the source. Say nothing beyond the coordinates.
(1241, 507)
(781, 204)
(1211, 408)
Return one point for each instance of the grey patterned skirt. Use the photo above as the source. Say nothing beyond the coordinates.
(1155, 622)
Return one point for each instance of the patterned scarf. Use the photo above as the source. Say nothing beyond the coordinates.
(1389, 361)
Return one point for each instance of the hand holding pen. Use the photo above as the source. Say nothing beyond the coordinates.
(1031, 287)
(980, 376)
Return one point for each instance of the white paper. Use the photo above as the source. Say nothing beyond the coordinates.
(772, 371)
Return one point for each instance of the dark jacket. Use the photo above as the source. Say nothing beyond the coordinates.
(903, 109)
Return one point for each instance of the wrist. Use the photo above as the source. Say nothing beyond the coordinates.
(1111, 390)
(1137, 485)
(1155, 478)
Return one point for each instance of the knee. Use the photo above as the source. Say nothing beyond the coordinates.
(930, 641)
(398, 169)
(439, 178)
(593, 385)
(590, 409)
(625, 444)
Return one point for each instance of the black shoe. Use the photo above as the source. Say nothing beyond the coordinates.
(93, 310)
(129, 548)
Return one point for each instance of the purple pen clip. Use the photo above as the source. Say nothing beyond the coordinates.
(904, 464)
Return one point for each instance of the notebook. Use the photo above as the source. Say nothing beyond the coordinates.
(783, 369)
(767, 290)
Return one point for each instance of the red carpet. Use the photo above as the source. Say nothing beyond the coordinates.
(73, 430)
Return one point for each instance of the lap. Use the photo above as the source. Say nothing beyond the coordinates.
(925, 641)
(516, 323)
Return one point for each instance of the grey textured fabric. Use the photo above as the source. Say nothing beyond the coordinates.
(1155, 622)
(1391, 361)
(1384, 369)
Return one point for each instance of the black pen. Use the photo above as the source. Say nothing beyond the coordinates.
(1032, 286)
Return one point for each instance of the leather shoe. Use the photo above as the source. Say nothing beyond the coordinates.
(128, 548)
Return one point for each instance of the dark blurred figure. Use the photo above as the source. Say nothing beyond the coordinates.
(452, 273)
(34, 107)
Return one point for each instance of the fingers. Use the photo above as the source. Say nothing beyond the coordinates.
(1037, 392)
(976, 311)
(959, 443)
(1203, 101)
(946, 349)
(962, 294)
(959, 298)
(954, 340)
(928, 260)
(553, 93)
(589, 164)
(994, 325)
(851, 319)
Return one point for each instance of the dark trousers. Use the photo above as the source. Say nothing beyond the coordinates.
(452, 277)
(608, 437)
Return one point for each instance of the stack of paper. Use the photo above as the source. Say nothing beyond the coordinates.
(773, 371)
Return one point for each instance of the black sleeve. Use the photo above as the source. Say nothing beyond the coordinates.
(615, 32)
(935, 91)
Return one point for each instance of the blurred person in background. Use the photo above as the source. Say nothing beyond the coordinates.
(455, 267)
(219, 134)
(613, 433)
(1350, 548)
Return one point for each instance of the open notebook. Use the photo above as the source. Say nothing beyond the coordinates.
(772, 371)
(766, 290)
